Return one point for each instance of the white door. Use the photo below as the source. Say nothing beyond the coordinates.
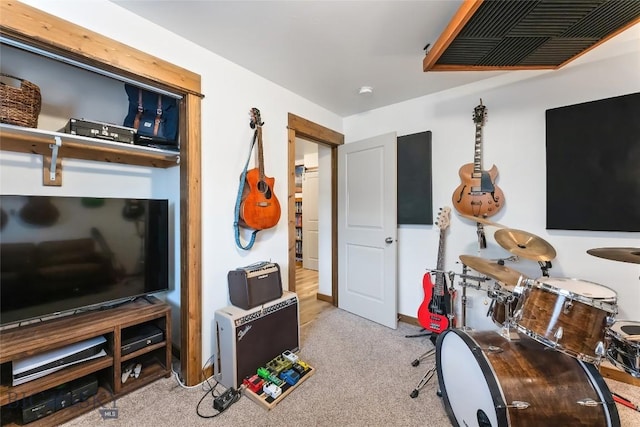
(310, 220)
(367, 229)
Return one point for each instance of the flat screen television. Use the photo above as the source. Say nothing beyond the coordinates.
(60, 255)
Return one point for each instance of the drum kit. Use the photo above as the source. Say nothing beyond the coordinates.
(542, 366)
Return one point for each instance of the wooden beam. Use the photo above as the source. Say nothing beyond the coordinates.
(191, 243)
(314, 132)
(459, 20)
(52, 34)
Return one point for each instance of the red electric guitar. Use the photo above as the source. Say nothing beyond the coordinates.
(433, 313)
(259, 208)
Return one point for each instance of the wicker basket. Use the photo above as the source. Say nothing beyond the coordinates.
(20, 105)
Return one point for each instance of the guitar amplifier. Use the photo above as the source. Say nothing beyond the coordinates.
(254, 284)
(248, 339)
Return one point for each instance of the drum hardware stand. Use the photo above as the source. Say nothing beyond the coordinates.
(545, 266)
(432, 370)
(463, 299)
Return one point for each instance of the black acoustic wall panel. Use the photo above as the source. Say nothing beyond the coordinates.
(414, 179)
(593, 165)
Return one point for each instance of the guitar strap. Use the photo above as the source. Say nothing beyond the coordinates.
(236, 221)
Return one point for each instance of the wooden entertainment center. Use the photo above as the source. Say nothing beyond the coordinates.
(30, 340)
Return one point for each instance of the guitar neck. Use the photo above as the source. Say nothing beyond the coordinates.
(439, 285)
(477, 156)
(260, 155)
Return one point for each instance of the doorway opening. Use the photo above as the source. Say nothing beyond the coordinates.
(300, 128)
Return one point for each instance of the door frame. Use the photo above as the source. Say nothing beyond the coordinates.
(299, 127)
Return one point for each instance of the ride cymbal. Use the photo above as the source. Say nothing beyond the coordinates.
(631, 255)
(492, 269)
(525, 244)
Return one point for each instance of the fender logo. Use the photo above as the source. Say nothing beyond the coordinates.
(243, 332)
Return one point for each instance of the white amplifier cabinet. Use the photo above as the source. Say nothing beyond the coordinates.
(248, 339)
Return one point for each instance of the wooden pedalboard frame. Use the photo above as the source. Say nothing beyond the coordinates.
(269, 402)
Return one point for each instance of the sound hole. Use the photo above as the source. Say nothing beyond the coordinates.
(263, 187)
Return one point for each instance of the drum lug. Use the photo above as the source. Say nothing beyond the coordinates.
(566, 308)
(559, 333)
(600, 350)
(490, 349)
(610, 320)
(588, 402)
(518, 404)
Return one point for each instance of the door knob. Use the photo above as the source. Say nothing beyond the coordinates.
(388, 240)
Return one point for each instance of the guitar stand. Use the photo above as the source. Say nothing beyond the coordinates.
(423, 333)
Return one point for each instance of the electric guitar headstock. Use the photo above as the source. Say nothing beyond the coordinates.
(443, 218)
(479, 114)
(254, 113)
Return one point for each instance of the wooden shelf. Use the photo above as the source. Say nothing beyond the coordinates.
(29, 340)
(38, 141)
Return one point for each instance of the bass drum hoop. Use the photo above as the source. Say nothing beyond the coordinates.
(490, 376)
(497, 394)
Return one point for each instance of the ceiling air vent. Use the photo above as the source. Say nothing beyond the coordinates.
(527, 34)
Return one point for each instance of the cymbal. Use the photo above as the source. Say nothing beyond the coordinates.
(492, 269)
(525, 244)
(631, 255)
(482, 220)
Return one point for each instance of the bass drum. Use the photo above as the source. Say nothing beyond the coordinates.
(487, 381)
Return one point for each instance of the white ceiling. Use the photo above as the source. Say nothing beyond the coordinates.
(323, 50)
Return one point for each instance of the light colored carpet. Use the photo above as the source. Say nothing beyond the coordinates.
(363, 377)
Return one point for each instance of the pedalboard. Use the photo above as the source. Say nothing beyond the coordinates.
(281, 375)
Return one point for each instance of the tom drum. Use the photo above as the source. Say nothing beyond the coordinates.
(487, 381)
(568, 315)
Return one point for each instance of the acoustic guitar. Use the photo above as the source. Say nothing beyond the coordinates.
(259, 208)
(478, 195)
(436, 308)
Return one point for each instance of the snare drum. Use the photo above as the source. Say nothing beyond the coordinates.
(486, 380)
(568, 315)
(624, 346)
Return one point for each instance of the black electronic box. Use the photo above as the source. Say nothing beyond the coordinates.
(137, 337)
(49, 401)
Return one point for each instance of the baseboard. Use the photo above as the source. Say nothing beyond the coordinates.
(325, 298)
(408, 319)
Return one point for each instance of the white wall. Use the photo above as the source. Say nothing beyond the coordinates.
(230, 91)
(513, 135)
(513, 140)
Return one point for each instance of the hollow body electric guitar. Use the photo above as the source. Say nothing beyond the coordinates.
(259, 208)
(478, 195)
(435, 312)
